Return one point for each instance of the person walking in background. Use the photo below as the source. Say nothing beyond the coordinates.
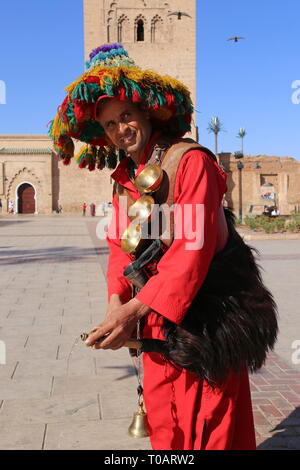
(10, 207)
(84, 208)
(92, 209)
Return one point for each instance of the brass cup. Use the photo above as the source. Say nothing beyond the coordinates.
(149, 179)
(131, 238)
(141, 209)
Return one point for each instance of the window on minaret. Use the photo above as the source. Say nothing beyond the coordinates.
(120, 32)
(140, 31)
(123, 29)
(157, 29)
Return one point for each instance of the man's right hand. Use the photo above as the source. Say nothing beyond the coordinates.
(115, 301)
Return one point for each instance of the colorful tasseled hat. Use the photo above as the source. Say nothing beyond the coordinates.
(111, 72)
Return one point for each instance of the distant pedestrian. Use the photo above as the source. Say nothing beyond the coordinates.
(10, 207)
(83, 208)
(275, 212)
(92, 209)
(100, 210)
(0, 206)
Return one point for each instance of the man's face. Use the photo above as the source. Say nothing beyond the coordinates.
(125, 124)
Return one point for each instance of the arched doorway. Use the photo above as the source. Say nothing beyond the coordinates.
(26, 199)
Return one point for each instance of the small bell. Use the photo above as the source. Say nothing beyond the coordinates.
(138, 426)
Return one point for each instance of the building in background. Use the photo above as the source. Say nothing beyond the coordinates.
(266, 181)
(30, 175)
(32, 178)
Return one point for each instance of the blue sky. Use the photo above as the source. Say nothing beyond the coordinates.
(246, 84)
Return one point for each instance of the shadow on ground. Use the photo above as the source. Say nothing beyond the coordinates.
(5, 222)
(287, 435)
(51, 255)
(129, 371)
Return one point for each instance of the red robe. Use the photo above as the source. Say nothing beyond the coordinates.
(184, 413)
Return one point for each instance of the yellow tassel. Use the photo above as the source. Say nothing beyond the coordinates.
(83, 149)
(59, 128)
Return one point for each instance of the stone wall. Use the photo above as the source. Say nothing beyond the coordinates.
(76, 186)
(55, 184)
(281, 172)
(22, 167)
(70, 186)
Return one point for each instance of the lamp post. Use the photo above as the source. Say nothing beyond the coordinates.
(240, 166)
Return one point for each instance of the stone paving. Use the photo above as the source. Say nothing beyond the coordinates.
(57, 394)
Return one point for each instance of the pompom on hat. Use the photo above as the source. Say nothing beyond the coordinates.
(110, 72)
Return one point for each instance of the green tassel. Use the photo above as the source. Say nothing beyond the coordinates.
(91, 130)
(50, 130)
(76, 92)
(127, 87)
(135, 87)
(180, 109)
(108, 87)
(93, 91)
(161, 99)
(70, 114)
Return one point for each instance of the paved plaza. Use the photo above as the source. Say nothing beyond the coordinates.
(58, 394)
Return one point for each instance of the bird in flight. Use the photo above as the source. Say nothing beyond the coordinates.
(179, 14)
(235, 38)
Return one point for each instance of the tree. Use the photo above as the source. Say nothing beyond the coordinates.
(215, 126)
(241, 135)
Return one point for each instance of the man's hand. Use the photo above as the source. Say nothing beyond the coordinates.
(115, 302)
(118, 325)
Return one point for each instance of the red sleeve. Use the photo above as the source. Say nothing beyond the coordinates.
(118, 260)
(181, 271)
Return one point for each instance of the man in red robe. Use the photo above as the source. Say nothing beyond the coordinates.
(116, 106)
(183, 411)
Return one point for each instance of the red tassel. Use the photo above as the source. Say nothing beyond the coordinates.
(66, 161)
(62, 109)
(79, 109)
(122, 94)
(82, 164)
(169, 98)
(92, 79)
(135, 97)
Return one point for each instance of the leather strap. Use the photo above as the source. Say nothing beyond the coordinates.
(167, 153)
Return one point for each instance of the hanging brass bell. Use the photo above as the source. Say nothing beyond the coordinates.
(138, 426)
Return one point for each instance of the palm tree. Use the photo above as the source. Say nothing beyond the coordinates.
(215, 126)
(241, 135)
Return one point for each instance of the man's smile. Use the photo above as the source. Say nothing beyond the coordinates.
(128, 139)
